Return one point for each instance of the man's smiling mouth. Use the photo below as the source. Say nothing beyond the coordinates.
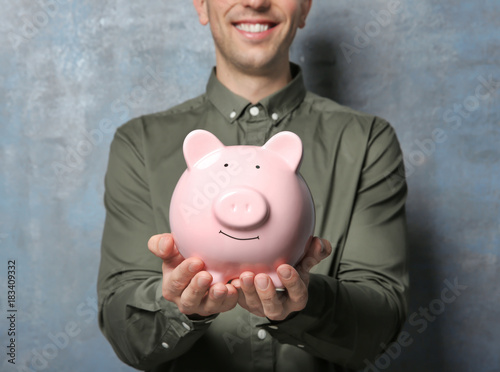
(232, 237)
(254, 28)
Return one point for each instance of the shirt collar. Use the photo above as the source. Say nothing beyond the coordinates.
(277, 105)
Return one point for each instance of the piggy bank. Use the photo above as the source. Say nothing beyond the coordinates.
(242, 208)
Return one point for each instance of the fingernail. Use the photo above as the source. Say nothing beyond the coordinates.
(194, 267)
(218, 293)
(247, 281)
(162, 245)
(323, 248)
(285, 272)
(203, 281)
(262, 282)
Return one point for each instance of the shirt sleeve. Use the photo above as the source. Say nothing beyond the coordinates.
(354, 313)
(143, 328)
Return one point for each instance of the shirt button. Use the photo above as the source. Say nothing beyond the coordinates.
(185, 325)
(254, 111)
(301, 346)
(232, 115)
(261, 334)
(273, 327)
(165, 345)
(275, 116)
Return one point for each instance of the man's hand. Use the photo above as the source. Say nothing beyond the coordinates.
(258, 295)
(187, 285)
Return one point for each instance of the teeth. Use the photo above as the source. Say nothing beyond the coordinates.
(252, 27)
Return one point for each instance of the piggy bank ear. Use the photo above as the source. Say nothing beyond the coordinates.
(199, 143)
(288, 146)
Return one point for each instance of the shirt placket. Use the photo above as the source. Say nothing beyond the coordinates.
(262, 349)
(254, 126)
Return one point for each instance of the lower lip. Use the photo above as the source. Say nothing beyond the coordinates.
(256, 35)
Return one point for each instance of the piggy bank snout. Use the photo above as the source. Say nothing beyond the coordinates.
(241, 208)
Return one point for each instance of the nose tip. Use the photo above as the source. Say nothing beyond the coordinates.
(241, 208)
(256, 4)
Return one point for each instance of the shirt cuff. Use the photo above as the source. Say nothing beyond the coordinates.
(181, 322)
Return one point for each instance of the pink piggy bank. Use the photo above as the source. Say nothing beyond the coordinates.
(242, 208)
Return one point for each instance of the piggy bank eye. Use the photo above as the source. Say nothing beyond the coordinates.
(226, 165)
(257, 166)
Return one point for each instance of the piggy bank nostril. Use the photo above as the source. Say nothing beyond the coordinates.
(241, 208)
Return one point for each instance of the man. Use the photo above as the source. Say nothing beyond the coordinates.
(158, 309)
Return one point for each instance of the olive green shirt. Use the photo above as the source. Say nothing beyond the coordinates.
(352, 164)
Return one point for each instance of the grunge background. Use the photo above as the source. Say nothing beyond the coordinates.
(71, 72)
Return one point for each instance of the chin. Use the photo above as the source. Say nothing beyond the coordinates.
(256, 66)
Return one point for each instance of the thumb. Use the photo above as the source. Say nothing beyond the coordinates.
(318, 250)
(162, 246)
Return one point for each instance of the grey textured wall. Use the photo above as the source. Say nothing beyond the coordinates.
(72, 71)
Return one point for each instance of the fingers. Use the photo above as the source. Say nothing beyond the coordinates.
(318, 250)
(272, 306)
(220, 298)
(258, 295)
(162, 246)
(201, 299)
(176, 281)
(189, 288)
(186, 285)
(194, 292)
(296, 288)
(248, 297)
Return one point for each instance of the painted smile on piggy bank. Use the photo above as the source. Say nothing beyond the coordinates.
(242, 208)
(235, 238)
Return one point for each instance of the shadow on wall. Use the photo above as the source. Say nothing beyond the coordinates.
(424, 346)
(426, 351)
(321, 70)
